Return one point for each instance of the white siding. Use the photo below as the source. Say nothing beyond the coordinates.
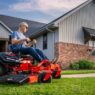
(70, 29)
(52, 38)
(4, 32)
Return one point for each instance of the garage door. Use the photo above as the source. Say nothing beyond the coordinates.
(2, 46)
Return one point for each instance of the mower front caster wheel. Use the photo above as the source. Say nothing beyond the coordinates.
(41, 78)
(54, 75)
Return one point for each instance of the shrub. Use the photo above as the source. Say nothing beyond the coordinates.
(94, 66)
(83, 64)
(74, 66)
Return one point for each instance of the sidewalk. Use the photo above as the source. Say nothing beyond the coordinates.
(78, 75)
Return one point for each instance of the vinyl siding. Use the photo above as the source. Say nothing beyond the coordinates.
(52, 38)
(4, 33)
(70, 29)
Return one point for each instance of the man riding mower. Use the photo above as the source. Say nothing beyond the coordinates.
(18, 66)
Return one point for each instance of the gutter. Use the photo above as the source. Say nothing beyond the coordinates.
(41, 30)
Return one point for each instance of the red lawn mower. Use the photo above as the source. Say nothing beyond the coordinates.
(18, 68)
(21, 69)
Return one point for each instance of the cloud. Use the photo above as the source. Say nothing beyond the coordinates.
(50, 7)
(42, 20)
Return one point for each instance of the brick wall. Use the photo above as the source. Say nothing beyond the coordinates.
(68, 53)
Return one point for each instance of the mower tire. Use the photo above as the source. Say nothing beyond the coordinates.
(54, 75)
(41, 78)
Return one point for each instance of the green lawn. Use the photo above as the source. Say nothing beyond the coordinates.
(73, 86)
(77, 71)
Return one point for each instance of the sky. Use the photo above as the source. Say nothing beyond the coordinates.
(37, 10)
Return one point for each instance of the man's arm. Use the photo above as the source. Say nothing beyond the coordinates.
(15, 41)
(31, 43)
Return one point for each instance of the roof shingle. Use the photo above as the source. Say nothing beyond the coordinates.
(13, 22)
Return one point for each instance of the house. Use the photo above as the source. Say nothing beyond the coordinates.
(69, 37)
(9, 24)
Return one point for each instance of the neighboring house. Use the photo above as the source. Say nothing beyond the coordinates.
(4, 32)
(9, 24)
(64, 37)
(68, 37)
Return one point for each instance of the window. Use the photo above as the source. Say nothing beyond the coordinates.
(44, 41)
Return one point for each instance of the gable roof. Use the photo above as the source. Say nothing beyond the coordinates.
(6, 26)
(54, 22)
(13, 24)
(72, 11)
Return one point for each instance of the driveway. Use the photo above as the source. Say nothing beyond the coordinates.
(78, 75)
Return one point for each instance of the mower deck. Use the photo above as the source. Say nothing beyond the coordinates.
(19, 79)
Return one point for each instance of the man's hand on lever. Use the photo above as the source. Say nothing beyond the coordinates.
(34, 41)
(29, 44)
(28, 39)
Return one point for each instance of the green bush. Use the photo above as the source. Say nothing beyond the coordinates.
(74, 66)
(94, 66)
(83, 64)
